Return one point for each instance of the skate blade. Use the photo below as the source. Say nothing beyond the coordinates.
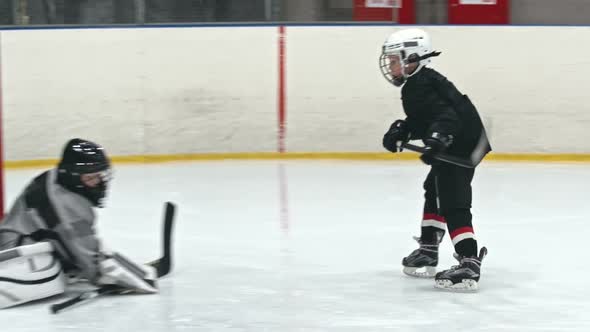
(420, 272)
(465, 286)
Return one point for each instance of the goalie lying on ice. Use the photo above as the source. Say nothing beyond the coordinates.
(49, 232)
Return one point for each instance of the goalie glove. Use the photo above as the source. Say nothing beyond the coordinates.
(116, 269)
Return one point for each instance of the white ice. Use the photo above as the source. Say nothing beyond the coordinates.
(317, 246)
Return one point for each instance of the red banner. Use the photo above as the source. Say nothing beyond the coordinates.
(398, 11)
(479, 11)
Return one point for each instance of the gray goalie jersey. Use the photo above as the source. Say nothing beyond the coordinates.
(46, 205)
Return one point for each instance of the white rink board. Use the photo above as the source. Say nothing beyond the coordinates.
(140, 91)
(214, 89)
(522, 91)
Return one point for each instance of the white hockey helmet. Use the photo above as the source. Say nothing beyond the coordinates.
(409, 45)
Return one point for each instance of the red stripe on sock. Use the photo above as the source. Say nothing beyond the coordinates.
(432, 216)
(461, 230)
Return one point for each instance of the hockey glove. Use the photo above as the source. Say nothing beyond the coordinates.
(397, 134)
(116, 269)
(434, 145)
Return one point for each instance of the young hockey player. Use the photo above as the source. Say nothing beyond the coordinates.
(49, 232)
(446, 121)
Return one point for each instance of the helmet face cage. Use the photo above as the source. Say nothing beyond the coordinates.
(100, 190)
(104, 176)
(411, 46)
(71, 177)
(385, 62)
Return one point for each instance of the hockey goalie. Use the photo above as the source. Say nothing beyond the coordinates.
(48, 237)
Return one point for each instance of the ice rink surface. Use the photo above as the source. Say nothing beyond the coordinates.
(317, 246)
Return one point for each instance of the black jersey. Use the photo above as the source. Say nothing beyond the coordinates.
(433, 104)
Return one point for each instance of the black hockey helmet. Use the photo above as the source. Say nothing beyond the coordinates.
(84, 157)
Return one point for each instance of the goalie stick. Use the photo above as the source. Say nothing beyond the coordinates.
(163, 265)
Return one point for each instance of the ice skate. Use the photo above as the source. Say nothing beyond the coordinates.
(463, 277)
(422, 262)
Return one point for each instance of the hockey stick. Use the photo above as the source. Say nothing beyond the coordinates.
(163, 265)
(476, 156)
(441, 156)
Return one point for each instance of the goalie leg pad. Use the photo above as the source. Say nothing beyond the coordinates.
(118, 270)
(29, 273)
